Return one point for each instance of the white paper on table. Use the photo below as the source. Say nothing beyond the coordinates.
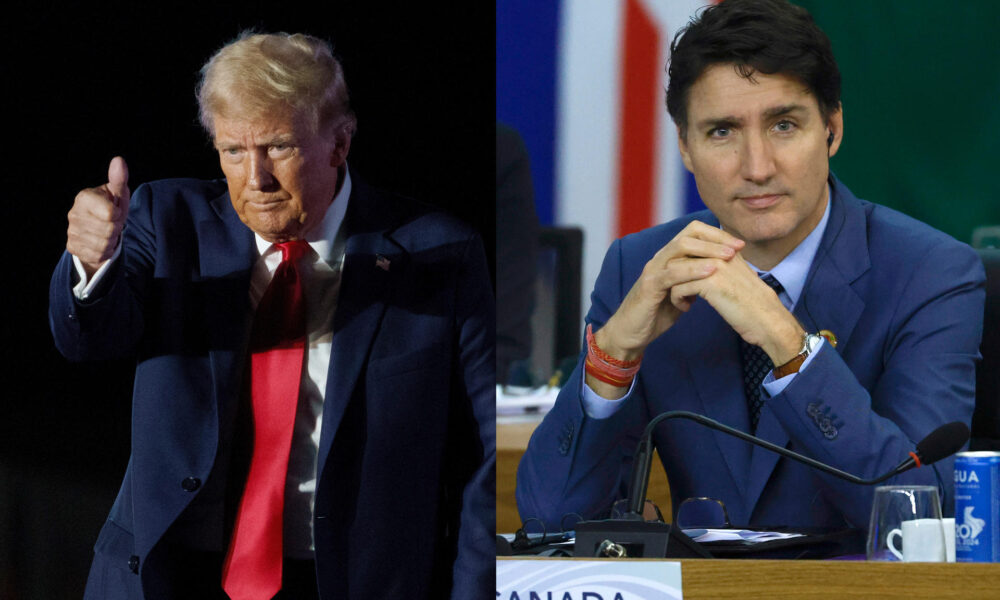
(539, 400)
(735, 535)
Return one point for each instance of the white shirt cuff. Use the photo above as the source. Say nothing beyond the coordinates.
(84, 288)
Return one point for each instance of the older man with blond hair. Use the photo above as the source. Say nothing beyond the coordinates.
(313, 404)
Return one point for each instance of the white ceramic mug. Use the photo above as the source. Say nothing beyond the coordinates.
(894, 505)
(923, 541)
(948, 526)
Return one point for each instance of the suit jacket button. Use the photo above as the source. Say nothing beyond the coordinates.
(191, 484)
(133, 563)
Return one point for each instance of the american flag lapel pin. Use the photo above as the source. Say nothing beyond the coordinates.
(382, 262)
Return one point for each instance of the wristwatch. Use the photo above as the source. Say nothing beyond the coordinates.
(810, 344)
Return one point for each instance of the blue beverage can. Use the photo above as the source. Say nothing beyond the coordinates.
(977, 506)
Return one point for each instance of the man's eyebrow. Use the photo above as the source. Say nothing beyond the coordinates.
(221, 143)
(779, 111)
(279, 138)
(717, 122)
(731, 121)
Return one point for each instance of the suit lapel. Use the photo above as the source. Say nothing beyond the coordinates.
(828, 302)
(372, 261)
(713, 362)
(225, 258)
(762, 461)
(225, 244)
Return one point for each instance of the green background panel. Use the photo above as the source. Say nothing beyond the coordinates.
(921, 97)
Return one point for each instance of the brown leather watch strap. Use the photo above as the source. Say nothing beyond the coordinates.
(790, 367)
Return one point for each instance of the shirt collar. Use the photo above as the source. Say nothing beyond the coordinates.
(321, 237)
(792, 271)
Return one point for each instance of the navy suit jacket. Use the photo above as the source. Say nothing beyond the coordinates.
(905, 302)
(404, 504)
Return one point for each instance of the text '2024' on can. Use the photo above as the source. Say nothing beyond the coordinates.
(977, 506)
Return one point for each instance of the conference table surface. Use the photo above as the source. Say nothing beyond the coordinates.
(818, 579)
(772, 579)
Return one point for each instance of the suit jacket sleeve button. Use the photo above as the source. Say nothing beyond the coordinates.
(133, 563)
(191, 484)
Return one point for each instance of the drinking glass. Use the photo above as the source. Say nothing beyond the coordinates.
(906, 524)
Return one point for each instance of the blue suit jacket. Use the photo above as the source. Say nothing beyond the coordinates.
(905, 302)
(404, 502)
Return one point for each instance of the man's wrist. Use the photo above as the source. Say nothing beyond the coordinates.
(785, 341)
(603, 367)
(605, 390)
(597, 405)
(88, 281)
(606, 341)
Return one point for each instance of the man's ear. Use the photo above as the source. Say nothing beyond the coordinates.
(682, 146)
(835, 130)
(341, 148)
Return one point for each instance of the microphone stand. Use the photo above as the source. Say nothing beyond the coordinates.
(640, 538)
(644, 457)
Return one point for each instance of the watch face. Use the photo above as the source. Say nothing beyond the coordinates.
(813, 340)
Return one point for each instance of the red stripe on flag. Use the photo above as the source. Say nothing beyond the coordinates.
(640, 111)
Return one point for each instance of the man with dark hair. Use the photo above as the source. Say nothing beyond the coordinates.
(791, 309)
(764, 37)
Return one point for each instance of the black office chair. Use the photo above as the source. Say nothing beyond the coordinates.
(567, 244)
(986, 418)
(556, 321)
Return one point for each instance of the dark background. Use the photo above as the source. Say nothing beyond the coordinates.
(84, 84)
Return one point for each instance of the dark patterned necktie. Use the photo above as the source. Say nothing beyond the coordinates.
(756, 365)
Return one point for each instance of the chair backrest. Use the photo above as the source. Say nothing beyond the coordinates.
(986, 419)
(557, 321)
(567, 242)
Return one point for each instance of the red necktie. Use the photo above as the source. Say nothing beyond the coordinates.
(252, 570)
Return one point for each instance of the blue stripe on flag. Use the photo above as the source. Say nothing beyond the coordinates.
(527, 36)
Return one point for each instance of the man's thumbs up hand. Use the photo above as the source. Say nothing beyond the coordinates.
(97, 218)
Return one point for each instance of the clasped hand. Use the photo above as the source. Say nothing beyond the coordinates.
(701, 262)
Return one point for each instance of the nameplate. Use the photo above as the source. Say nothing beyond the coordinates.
(588, 580)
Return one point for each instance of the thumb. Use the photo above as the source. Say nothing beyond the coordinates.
(118, 181)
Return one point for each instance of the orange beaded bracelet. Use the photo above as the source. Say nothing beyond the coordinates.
(607, 368)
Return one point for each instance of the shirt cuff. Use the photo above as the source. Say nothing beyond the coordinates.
(83, 287)
(598, 407)
(773, 386)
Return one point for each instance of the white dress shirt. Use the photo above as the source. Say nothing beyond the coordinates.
(322, 287)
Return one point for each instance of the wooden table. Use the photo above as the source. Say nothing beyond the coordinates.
(513, 434)
(817, 579)
(512, 439)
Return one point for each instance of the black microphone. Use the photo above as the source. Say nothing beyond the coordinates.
(940, 443)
